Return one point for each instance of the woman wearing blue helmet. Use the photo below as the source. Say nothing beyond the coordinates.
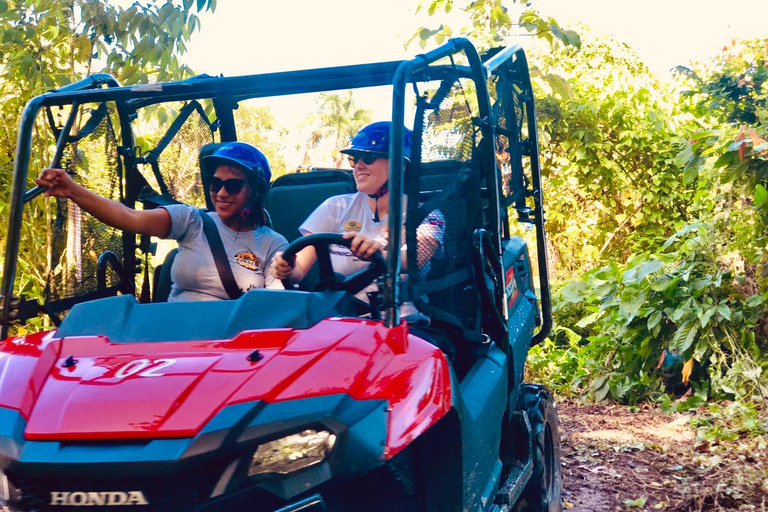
(240, 176)
(362, 216)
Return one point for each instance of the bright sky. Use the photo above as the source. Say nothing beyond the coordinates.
(667, 33)
(257, 36)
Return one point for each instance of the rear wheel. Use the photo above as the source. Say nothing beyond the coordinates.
(545, 489)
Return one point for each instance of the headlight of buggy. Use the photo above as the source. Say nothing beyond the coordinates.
(291, 453)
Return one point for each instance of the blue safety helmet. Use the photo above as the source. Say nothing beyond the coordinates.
(374, 138)
(245, 157)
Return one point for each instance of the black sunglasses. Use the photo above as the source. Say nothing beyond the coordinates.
(367, 158)
(233, 186)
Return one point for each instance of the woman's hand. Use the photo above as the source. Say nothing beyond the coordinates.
(362, 246)
(155, 222)
(57, 182)
(281, 269)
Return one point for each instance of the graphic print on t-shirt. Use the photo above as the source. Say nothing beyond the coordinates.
(248, 260)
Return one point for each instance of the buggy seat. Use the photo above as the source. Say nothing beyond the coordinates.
(294, 196)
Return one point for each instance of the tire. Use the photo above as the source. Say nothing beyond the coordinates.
(544, 491)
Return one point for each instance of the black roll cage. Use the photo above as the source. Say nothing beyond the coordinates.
(226, 92)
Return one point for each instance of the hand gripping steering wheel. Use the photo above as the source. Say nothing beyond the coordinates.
(330, 280)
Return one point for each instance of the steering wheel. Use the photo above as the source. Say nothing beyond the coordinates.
(330, 280)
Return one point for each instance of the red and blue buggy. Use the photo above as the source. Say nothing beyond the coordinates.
(283, 401)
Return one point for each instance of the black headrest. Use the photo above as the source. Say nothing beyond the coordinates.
(294, 196)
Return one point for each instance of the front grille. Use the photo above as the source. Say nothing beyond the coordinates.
(181, 493)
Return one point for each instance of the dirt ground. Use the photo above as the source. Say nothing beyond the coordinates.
(617, 459)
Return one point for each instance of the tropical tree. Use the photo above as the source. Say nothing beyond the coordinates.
(51, 43)
(336, 121)
(610, 137)
(258, 126)
(46, 44)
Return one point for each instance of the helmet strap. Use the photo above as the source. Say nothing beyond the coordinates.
(382, 191)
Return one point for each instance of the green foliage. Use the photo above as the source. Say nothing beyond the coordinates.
(688, 301)
(258, 126)
(609, 139)
(660, 200)
(733, 85)
(729, 420)
(489, 23)
(336, 121)
(46, 44)
(656, 211)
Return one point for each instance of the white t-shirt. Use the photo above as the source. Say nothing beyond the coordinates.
(351, 212)
(194, 272)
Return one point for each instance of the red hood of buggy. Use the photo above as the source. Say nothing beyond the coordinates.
(81, 388)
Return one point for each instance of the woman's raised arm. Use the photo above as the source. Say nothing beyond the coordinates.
(155, 222)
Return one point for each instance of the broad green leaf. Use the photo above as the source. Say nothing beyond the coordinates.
(26, 63)
(649, 267)
(728, 158)
(680, 311)
(572, 37)
(761, 195)
(573, 292)
(601, 387)
(605, 289)
(661, 283)
(559, 85)
(587, 320)
(632, 300)
(9, 34)
(706, 317)
(127, 73)
(724, 311)
(630, 276)
(654, 320)
(684, 337)
(684, 156)
(700, 284)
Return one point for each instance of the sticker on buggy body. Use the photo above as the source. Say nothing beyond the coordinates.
(511, 289)
(143, 368)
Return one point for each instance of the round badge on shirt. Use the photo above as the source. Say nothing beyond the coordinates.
(248, 260)
(353, 226)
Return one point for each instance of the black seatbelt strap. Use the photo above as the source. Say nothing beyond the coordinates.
(219, 256)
